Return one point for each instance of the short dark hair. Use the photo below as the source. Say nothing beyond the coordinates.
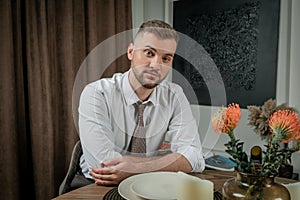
(159, 28)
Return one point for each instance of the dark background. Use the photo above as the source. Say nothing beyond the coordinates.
(241, 37)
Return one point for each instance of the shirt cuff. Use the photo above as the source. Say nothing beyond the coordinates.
(195, 157)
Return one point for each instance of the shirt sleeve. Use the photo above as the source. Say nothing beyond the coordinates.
(183, 132)
(96, 135)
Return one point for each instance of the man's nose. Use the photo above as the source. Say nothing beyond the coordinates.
(156, 62)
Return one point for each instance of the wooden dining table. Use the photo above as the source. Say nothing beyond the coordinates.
(93, 191)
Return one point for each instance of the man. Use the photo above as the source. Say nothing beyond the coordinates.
(124, 120)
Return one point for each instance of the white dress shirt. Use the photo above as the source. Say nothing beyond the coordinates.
(107, 120)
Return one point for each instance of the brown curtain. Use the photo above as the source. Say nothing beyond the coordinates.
(42, 45)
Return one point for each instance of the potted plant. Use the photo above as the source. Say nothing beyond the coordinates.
(259, 119)
(256, 181)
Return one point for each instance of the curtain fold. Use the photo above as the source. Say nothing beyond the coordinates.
(13, 140)
(43, 44)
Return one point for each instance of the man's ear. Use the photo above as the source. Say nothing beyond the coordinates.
(130, 51)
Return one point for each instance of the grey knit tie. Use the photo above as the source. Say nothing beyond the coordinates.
(138, 141)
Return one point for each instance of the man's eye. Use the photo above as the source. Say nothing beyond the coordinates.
(148, 53)
(167, 59)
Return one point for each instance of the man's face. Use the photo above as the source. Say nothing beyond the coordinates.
(151, 59)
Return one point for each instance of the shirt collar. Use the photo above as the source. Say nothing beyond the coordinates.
(130, 95)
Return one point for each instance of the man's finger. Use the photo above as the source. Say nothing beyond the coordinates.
(104, 170)
(105, 182)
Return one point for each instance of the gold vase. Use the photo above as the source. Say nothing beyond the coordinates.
(253, 187)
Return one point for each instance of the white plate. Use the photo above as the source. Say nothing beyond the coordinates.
(153, 185)
(124, 188)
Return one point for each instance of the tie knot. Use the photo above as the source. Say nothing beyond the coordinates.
(139, 107)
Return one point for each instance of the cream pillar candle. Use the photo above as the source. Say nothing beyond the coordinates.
(191, 188)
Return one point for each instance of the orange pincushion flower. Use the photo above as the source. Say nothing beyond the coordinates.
(226, 119)
(285, 126)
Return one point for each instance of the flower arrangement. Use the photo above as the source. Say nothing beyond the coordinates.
(259, 116)
(259, 119)
(276, 124)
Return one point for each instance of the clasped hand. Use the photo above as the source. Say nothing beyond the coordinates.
(114, 171)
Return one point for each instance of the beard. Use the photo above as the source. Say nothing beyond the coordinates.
(140, 76)
(149, 85)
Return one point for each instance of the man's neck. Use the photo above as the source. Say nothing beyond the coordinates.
(141, 92)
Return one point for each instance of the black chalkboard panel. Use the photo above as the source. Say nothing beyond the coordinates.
(241, 37)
